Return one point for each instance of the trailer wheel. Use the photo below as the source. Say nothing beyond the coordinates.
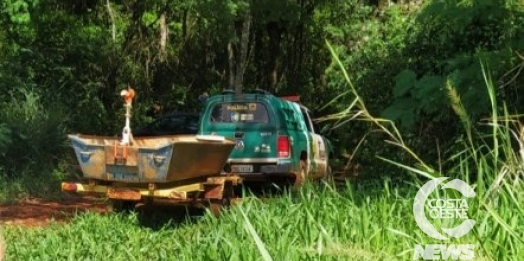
(217, 206)
(120, 206)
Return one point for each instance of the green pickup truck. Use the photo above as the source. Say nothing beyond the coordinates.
(276, 139)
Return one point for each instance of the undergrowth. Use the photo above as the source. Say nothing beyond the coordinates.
(32, 143)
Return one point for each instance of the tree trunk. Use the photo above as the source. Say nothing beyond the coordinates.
(242, 59)
(112, 18)
(260, 75)
(231, 60)
(163, 37)
(184, 25)
(275, 35)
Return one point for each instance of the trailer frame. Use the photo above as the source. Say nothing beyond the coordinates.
(214, 192)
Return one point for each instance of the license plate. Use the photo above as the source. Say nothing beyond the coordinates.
(242, 168)
(130, 177)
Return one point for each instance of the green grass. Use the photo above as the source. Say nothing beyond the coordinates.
(369, 222)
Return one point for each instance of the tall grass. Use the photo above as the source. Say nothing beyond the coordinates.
(315, 224)
(370, 222)
(489, 161)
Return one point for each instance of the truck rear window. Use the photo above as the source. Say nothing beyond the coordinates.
(239, 112)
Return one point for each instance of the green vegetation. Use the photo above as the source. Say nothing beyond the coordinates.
(314, 224)
(361, 220)
(63, 64)
(440, 80)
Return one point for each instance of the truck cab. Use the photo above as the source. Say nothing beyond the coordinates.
(276, 138)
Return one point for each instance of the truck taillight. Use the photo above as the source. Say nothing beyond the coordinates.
(283, 147)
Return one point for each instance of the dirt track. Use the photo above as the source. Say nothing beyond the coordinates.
(38, 212)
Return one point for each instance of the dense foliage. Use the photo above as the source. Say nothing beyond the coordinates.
(437, 69)
(62, 65)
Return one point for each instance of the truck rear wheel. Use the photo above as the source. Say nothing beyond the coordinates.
(328, 179)
(301, 175)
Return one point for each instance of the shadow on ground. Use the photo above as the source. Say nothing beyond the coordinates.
(158, 216)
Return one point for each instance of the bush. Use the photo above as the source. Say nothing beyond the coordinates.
(32, 135)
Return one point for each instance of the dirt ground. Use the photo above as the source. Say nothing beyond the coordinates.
(39, 212)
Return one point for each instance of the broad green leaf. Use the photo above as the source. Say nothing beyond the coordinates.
(404, 82)
(429, 91)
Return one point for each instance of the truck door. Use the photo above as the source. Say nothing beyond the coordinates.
(317, 157)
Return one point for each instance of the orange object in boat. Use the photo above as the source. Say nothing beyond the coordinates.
(128, 94)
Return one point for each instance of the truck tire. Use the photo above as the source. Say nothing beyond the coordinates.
(328, 179)
(301, 175)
